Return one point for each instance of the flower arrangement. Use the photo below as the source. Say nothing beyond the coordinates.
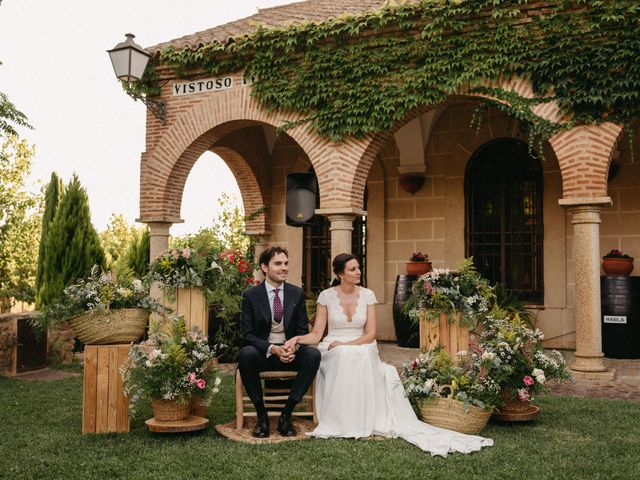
(419, 257)
(178, 268)
(102, 292)
(228, 275)
(615, 253)
(520, 365)
(170, 366)
(467, 379)
(463, 292)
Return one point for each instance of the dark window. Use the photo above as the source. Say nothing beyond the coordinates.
(504, 230)
(316, 251)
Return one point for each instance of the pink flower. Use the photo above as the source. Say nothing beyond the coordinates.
(523, 395)
(200, 383)
(428, 288)
(528, 381)
(192, 378)
(186, 253)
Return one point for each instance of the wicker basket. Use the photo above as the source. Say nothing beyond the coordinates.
(169, 410)
(449, 413)
(119, 326)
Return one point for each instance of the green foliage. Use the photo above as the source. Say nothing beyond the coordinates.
(356, 75)
(10, 117)
(72, 247)
(508, 303)
(116, 238)
(51, 201)
(138, 253)
(20, 219)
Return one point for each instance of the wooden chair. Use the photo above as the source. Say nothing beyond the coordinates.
(274, 398)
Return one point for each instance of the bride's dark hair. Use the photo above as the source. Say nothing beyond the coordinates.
(339, 263)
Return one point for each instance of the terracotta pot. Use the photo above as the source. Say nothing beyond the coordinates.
(617, 267)
(510, 404)
(418, 268)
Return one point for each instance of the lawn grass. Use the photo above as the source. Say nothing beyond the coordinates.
(40, 424)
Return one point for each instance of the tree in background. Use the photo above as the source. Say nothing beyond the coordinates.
(20, 220)
(51, 201)
(72, 247)
(116, 239)
(138, 252)
(10, 116)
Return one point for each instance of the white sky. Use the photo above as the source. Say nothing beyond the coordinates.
(56, 70)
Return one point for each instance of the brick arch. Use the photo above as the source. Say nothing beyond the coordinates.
(368, 147)
(585, 153)
(164, 170)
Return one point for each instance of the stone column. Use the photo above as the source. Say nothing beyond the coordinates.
(261, 244)
(159, 243)
(341, 227)
(585, 213)
(159, 237)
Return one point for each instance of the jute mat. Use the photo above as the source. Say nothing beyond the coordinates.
(229, 430)
(301, 425)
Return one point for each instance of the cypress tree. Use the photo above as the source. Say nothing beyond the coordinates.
(72, 245)
(138, 254)
(51, 201)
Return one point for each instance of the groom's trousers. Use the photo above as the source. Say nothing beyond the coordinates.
(251, 362)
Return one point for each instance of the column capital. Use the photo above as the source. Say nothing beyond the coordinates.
(347, 211)
(585, 202)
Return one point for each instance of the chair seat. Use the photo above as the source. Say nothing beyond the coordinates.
(274, 398)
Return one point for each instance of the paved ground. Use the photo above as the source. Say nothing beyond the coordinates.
(625, 385)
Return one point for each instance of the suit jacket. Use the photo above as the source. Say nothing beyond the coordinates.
(255, 318)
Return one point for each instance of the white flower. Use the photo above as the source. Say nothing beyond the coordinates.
(541, 379)
(137, 285)
(428, 385)
(215, 266)
(488, 355)
(536, 372)
(154, 354)
(217, 381)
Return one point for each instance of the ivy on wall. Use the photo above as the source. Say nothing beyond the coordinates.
(356, 75)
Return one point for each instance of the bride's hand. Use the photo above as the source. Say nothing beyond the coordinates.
(290, 344)
(334, 344)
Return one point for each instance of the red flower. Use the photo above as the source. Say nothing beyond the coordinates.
(250, 280)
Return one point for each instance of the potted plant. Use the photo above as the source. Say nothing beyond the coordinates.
(521, 368)
(170, 369)
(615, 263)
(418, 264)
(455, 394)
(447, 303)
(102, 309)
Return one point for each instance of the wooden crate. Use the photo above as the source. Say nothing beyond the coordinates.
(451, 336)
(104, 407)
(191, 304)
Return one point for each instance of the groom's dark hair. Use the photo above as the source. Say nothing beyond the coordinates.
(269, 253)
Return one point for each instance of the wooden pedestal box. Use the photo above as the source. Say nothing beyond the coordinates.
(191, 304)
(452, 337)
(104, 407)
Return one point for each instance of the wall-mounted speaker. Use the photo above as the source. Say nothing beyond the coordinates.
(301, 195)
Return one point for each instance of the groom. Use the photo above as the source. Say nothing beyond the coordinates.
(273, 312)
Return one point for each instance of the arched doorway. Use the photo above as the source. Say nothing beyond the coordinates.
(504, 228)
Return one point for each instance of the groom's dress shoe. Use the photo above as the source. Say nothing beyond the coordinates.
(285, 427)
(262, 427)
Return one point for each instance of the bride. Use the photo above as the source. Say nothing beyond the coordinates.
(356, 394)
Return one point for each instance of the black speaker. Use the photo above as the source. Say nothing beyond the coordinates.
(302, 191)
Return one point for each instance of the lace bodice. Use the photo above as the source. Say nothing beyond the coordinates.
(339, 324)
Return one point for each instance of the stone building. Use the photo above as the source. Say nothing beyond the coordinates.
(539, 225)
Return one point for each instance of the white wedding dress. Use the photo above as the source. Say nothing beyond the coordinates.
(359, 396)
